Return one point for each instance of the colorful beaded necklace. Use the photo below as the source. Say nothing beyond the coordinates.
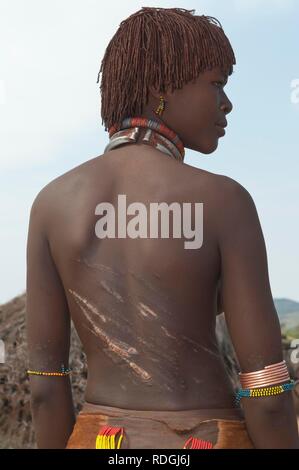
(158, 135)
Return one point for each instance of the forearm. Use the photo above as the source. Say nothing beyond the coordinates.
(274, 428)
(53, 420)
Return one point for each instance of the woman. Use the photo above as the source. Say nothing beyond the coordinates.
(144, 300)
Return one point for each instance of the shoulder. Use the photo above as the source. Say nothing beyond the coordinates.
(230, 203)
(56, 195)
(223, 192)
(231, 194)
(236, 213)
(49, 196)
(226, 183)
(63, 183)
(223, 188)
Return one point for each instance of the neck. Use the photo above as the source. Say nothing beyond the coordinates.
(150, 131)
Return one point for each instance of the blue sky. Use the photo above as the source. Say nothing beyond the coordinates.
(50, 113)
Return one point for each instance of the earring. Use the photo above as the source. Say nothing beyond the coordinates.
(161, 106)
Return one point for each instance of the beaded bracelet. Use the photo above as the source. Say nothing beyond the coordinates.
(264, 391)
(63, 373)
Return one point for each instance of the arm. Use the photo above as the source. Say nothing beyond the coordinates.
(251, 316)
(48, 336)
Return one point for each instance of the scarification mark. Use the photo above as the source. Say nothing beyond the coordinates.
(118, 347)
(164, 360)
(152, 348)
(93, 309)
(100, 266)
(162, 376)
(169, 388)
(167, 332)
(161, 297)
(125, 325)
(145, 310)
(140, 371)
(200, 346)
(145, 343)
(116, 359)
(88, 305)
(145, 282)
(111, 291)
(198, 381)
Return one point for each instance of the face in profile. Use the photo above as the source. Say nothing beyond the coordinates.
(197, 112)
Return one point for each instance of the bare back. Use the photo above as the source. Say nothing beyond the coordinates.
(144, 308)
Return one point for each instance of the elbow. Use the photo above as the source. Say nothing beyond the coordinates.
(38, 399)
(271, 405)
(40, 395)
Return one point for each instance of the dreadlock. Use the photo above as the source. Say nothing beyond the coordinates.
(160, 47)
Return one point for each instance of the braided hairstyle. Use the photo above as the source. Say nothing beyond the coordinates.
(159, 47)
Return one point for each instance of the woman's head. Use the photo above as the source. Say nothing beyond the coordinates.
(169, 52)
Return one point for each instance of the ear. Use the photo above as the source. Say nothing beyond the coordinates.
(154, 92)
